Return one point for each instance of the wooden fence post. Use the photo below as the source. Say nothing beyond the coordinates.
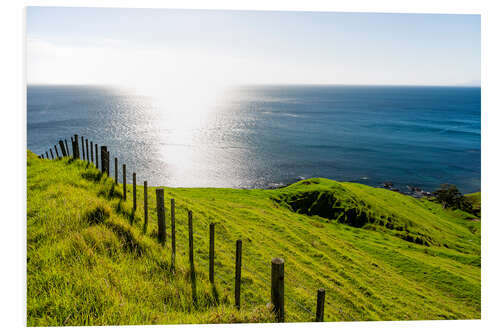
(83, 149)
(105, 159)
(278, 288)
(57, 153)
(191, 255)
(96, 157)
(103, 163)
(211, 253)
(76, 150)
(320, 305)
(134, 193)
(105, 153)
(160, 211)
(191, 250)
(66, 145)
(145, 206)
(124, 182)
(172, 219)
(63, 150)
(91, 152)
(237, 275)
(87, 149)
(116, 170)
(73, 147)
(51, 154)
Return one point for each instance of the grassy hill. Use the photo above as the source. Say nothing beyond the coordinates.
(379, 254)
(475, 200)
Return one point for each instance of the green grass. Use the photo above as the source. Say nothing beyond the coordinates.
(380, 255)
(475, 200)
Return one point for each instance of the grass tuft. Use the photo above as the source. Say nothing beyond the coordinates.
(98, 214)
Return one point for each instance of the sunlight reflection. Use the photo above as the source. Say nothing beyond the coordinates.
(182, 116)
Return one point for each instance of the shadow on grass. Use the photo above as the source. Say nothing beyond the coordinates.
(109, 191)
(131, 217)
(70, 160)
(92, 175)
(215, 294)
(124, 211)
(131, 244)
(192, 277)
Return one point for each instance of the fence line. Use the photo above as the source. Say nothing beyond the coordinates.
(277, 277)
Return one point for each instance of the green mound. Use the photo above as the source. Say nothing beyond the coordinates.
(380, 255)
(414, 220)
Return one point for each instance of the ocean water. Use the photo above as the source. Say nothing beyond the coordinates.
(264, 136)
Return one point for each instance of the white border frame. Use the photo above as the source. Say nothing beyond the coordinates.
(13, 152)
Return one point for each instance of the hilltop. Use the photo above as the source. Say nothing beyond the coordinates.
(379, 254)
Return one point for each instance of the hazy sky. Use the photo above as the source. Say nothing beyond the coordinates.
(166, 48)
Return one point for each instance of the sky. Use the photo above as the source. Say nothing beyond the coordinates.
(162, 48)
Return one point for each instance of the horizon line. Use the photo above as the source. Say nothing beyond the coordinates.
(273, 84)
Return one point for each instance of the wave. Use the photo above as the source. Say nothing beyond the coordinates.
(417, 127)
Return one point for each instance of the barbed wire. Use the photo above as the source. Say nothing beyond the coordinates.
(255, 274)
(297, 303)
(224, 280)
(297, 284)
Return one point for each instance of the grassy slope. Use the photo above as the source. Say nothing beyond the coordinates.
(475, 200)
(90, 263)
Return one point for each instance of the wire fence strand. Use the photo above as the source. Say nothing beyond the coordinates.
(255, 274)
(301, 306)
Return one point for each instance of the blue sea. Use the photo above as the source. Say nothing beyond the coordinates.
(267, 136)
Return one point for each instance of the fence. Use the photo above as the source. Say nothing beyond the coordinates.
(277, 279)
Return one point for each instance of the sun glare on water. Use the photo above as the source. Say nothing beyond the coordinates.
(183, 119)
